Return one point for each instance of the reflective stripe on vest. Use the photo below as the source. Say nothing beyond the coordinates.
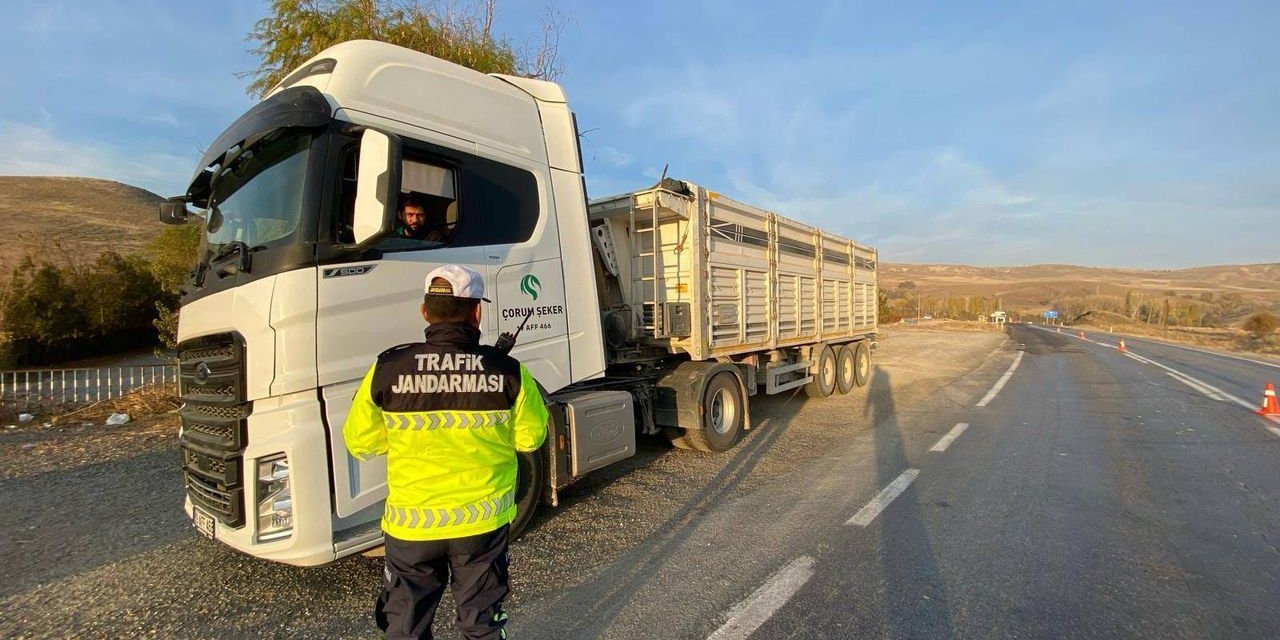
(415, 518)
(430, 420)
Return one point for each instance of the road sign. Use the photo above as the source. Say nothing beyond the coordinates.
(1051, 315)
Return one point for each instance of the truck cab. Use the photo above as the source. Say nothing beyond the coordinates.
(305, 275)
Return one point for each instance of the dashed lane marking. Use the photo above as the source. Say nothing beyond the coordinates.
(868, 513)
(1004, 379)
(950, 437)
(747, 616)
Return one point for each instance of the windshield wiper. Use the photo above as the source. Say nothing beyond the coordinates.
(234, 247)
(225, 251)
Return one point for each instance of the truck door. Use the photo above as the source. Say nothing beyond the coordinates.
(527, 278)
(367, 306)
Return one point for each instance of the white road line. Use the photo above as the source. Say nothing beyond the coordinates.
(1225, 397)
(868, 513)
(1004, 379)
(747, 616)
(1180, 346)
(1195, 384)
(950, 437)
(1203, 387)
(1207, 352)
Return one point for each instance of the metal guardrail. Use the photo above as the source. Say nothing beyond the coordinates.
(28, 387)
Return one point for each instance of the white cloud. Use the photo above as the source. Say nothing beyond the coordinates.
(40, 150)
(612, 156)
(166, 118)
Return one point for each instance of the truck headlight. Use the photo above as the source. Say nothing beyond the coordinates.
(275, 501)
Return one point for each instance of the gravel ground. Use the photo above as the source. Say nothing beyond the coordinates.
(100, 547)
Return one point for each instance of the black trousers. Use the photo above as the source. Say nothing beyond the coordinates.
(416, 572)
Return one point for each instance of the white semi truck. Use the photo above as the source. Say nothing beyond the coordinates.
(658, 311)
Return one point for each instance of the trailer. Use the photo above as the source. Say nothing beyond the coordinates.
(686, 270)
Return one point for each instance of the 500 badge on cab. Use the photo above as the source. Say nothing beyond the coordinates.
(354, 270)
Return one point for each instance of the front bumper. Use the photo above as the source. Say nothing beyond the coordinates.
(292, 425)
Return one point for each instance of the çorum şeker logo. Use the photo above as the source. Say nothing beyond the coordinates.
(530, 286)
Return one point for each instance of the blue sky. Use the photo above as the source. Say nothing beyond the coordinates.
(1142, 134)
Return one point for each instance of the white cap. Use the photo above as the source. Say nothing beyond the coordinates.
(464, 282)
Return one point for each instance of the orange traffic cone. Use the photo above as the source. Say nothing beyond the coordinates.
(1059, 329)
(1121, 347)
(1269, 405)
(1082, 335)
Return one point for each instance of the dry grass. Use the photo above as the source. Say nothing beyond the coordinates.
(147, 401)
(947, 325)
(73, 219)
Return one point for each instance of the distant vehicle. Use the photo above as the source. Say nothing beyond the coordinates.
(656, 311)
(927, 318)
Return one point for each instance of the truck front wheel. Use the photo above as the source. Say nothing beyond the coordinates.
(531, 477)
(723, 416)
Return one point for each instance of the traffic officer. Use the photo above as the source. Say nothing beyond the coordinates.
(450, 414)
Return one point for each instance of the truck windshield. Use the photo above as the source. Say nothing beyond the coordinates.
(257, 197)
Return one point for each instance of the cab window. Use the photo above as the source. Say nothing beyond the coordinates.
(448, 198)
(427, 209)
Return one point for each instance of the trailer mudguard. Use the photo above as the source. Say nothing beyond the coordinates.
(677, 395)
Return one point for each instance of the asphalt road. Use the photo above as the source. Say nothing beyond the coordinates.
(1094, 495)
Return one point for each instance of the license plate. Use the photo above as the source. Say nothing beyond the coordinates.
(204, 523)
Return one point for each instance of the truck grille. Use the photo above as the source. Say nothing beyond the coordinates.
(211, 376)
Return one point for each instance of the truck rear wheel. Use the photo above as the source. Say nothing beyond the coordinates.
(845, 365)
(723, 415)
(531, 477)
(824, 376)
(862, 363)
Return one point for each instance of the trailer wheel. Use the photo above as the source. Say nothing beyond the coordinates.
(531, 477)
(824, 379)
(862, 364)
(846, 376)
(723, 414)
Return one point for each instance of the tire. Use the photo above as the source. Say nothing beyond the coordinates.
(531, 480)
(845, 369)
(723, 415)
(862, 364)
(824, 379)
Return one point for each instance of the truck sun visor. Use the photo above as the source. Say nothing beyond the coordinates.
(295, 107)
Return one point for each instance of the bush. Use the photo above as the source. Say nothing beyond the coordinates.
(1261, 324)
(173, 254)
(118, 294)
(55, 312)
(41, 306)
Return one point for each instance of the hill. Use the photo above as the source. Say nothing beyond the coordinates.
(73, 218)
(1035, 288)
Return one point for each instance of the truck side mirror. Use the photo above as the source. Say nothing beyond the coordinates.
(174, 211)
(377, 186)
